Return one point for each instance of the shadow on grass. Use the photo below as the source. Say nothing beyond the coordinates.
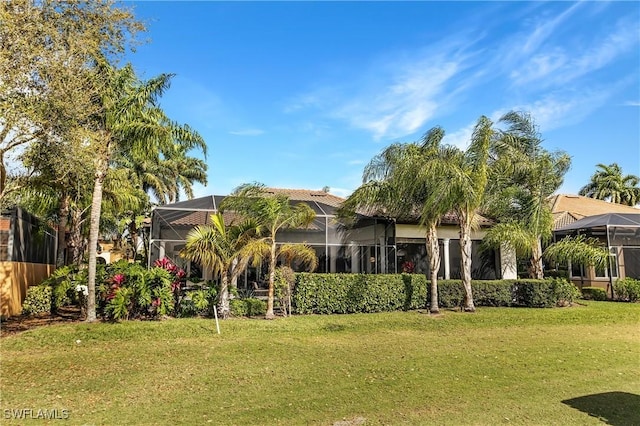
(613, 408)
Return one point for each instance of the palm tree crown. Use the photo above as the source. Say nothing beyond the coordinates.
(608, 183)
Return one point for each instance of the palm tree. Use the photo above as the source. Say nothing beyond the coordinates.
(273, 213)
(395, 182)
(226, 250)
(609, 184)
(523, 176)
(460, 179)
(130, 120)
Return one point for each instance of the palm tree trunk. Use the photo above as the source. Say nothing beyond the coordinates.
(63, 214)
(434, 265)
(94, 229)
(465, 261)
(272, 277)
(75, 237)
(537, 271)
(223, 306)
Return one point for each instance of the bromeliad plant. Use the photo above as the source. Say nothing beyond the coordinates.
(130, 291)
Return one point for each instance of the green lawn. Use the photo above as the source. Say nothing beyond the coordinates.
(497, 366)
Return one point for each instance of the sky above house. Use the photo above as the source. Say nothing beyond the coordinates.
(305, 94)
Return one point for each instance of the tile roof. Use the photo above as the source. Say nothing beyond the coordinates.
(308, 195)
(567, 209)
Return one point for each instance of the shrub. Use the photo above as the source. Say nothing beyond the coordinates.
(450, 293)
(249, 307)
(534, 293)
(565, 292)
(37, 301)
(131, 291)
(351, 293)
(627, 290)
(594, 293)
(238, 308)
(196, 302)
(255, 307)
(285, 280)
(63, 283)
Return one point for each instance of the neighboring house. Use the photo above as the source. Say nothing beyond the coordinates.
(616, 225)
(373, 245)
(27, 256)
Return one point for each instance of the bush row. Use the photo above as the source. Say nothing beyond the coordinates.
(351, 293)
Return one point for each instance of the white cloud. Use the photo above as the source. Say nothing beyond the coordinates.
(564, 109)
(403, 102)
(557, 66)
(460, 138)
(247, 132)
(632, 103)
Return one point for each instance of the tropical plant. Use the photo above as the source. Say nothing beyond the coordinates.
(397, 183)
(579, 250)
(460, 180)
(227, 250)
(608, 183)
(523, 175)
(272, 213)
(130, 120)
(285, 281)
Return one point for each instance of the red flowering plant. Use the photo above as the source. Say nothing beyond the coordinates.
(408, 267)
(178, 277)
(116, 282)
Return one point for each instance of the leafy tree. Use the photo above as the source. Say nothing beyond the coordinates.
(273, 213)
(130, 120)
(227, 250)
(49, 83)
(397, 184)
(608, 183)
(523, 175)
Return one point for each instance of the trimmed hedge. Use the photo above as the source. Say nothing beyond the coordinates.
(352, 293)
(248, 307)
(594, 293)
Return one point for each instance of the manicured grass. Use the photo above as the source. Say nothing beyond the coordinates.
(497, 366)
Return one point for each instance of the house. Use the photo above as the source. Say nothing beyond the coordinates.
(616, 225)
(27, 256)
(373, 245)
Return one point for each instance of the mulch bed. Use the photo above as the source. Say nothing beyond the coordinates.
(18, 324)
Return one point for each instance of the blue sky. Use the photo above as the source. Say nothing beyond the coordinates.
(304, 94)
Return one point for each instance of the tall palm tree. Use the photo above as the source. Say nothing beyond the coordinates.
(395, 182)
(523, 176)
(227, 250)
(130, 120)
(273, 213)
(460, 179)
(608, 183)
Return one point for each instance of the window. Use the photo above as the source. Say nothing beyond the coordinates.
(576, 270)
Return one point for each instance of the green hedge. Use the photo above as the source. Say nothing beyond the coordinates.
(351, 293)
(594, 293)
(627, 290)
(248, 307)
